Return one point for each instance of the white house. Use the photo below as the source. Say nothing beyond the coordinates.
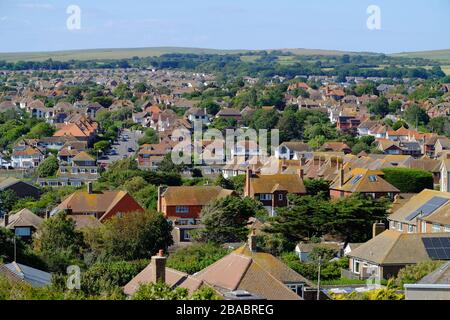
(445, 175)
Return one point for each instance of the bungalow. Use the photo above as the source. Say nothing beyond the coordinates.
(384, 255)
(184, 204)
(23, 223)
(272, 190)
(21, 189)
(100, 205)
(197, 114)
(364, 181)
(247, 274)
(157, 271)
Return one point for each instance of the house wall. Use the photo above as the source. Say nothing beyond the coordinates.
(126, 205)
(170, 211)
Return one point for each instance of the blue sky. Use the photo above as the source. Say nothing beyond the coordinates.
(30, 25)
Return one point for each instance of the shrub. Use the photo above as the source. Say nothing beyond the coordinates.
(408, 180)
(195, 257)
(413, 273)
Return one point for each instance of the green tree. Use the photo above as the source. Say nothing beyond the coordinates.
(160, 291)
(7, 200)
(136, 235)
(150, 137)
(414, 273)
(226, 219)
(58, 243)
(379, 107)
(48, 168)
(196, 257)
(440, 125)
(415, 116)
(41, 130)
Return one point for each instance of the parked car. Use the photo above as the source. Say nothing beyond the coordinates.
(130, 150)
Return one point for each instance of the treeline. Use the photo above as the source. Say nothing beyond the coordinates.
(265, 65)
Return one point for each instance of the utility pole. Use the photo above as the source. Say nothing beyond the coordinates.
(318, 279)
(15, 249)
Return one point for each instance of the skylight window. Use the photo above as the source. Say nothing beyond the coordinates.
(356, 179)
(373, 178)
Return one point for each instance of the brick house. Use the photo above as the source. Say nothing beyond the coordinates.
(186, 202)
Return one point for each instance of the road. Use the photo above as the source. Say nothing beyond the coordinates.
(122, 147)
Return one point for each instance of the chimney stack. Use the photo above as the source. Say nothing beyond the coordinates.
(301, 173)
(302, 161)
(378, 228)
(6, 219)
(159, 204)
(341, 177)
(158, 271)
(248, 177)
(89, 187)
(252, 241)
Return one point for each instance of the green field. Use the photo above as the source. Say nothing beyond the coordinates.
(103, 54)
(442, 56)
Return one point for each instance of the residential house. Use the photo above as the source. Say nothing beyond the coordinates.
(20, 188)
(272, 189)
(150, 156)
(347, 123)
(407, 218)
(80, 128)
(384, 255)
(441, 145)
(157, 272)
(363, 181)
(336, 146)
(184, 204)
(197, 115)
(304, 249)
(289, 150)
(229, 113)
(445, 176)
(389, 147)
(100, 205)
(23, 223)
(248, 274)
(26, 157)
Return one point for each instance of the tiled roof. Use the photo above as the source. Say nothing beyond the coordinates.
(24, 218)
(364, 180)
(173, 278)
(394, 247)
(194, 195)
(258, 273)
(292, 183)
(415, 203)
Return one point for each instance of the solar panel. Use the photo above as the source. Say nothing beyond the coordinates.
(437, 248)
(428, 208)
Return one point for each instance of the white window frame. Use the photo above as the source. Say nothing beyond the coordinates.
(280, 197)
(424, 227)
(356, 270)
(410, 228)
(265, 196)
(436, 227)
(182, 209)
(447, 228)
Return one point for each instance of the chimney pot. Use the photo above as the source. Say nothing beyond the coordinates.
(252, 241)
(378, 228)
(89, 187)
(158, 270)
(6, 219)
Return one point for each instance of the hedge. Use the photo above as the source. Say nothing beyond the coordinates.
(409, 180)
